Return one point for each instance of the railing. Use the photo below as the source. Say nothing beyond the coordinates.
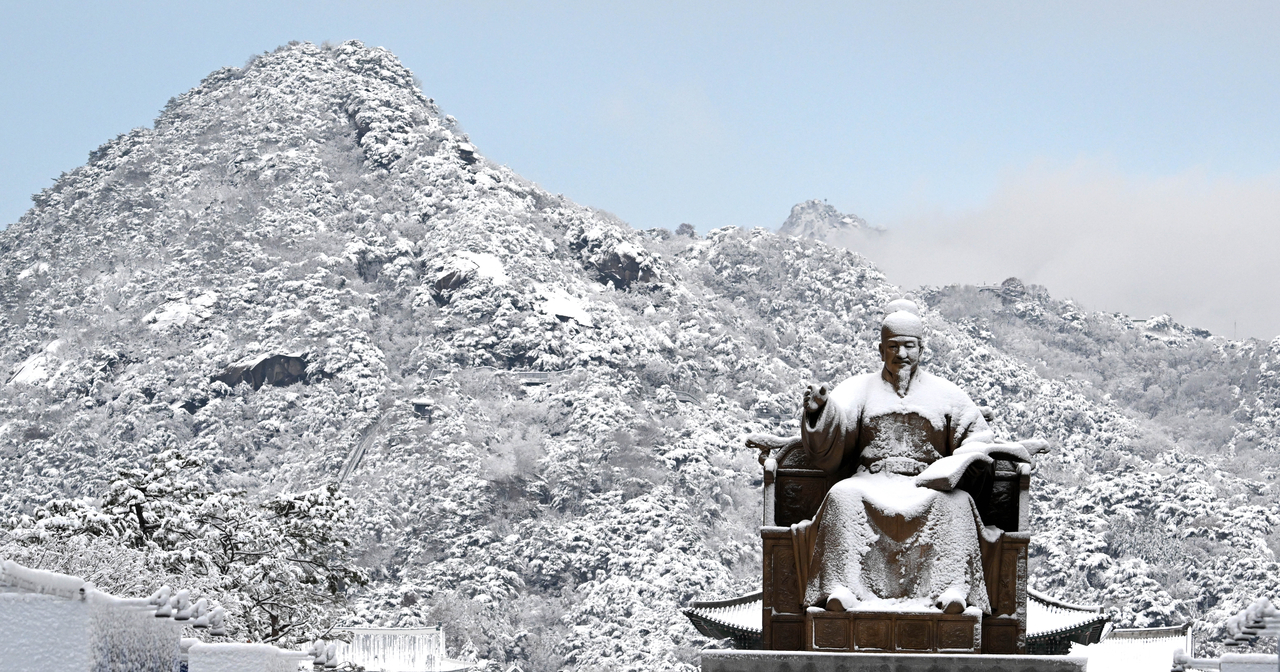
(1260, 619)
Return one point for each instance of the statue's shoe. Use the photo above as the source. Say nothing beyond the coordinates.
(951, 601)
(841, 599)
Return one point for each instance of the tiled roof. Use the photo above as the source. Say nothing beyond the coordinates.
(739, 618)
(1048, 616)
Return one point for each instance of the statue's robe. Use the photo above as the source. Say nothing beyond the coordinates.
(877, 533)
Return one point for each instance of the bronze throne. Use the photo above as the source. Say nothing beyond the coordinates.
(793, 490)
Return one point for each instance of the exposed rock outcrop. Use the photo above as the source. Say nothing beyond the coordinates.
(267, 369)
(818, 220)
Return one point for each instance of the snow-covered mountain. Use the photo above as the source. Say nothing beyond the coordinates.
(305, 274)
(820, 221)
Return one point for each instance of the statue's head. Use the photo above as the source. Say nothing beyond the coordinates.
(901, 338)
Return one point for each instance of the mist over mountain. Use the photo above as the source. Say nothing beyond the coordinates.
(305, 290)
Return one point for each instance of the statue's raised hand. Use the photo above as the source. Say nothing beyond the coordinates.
(815, 399)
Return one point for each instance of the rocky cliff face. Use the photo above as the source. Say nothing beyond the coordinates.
(305, 273)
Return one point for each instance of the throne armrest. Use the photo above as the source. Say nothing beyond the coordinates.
(770, 492)
(770, 445)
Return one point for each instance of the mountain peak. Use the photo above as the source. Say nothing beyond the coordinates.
(819, 220)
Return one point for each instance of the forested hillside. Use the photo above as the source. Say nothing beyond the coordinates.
(1207, 395)
(303, 347)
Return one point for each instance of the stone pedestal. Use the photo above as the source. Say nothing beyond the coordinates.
(814, 661)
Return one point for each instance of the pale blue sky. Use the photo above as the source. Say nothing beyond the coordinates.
(922, 117)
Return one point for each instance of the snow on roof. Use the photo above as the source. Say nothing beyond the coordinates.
(61, 620)
(242, 656)
(1046, 615)
(1178, 632)
(1229, 662)
(741, 616)
(182, 606)
(740, 613)
(362, 630)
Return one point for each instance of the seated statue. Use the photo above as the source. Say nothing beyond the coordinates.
(901, 531)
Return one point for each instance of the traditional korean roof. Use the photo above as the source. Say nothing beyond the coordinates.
(1049, 616)
(1172, 632)
(1052, 625)
(738, 618)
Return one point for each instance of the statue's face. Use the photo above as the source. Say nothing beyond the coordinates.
(899, 352)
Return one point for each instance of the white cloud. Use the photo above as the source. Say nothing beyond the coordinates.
(1205, 250)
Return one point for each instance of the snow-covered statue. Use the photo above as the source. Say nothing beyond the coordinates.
(901, 530)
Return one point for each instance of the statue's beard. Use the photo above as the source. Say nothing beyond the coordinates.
(902, 379)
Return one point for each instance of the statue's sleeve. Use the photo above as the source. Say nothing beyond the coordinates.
(832, 433)
(969, 425)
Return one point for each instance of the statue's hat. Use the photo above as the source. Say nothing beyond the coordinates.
(902, 319)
